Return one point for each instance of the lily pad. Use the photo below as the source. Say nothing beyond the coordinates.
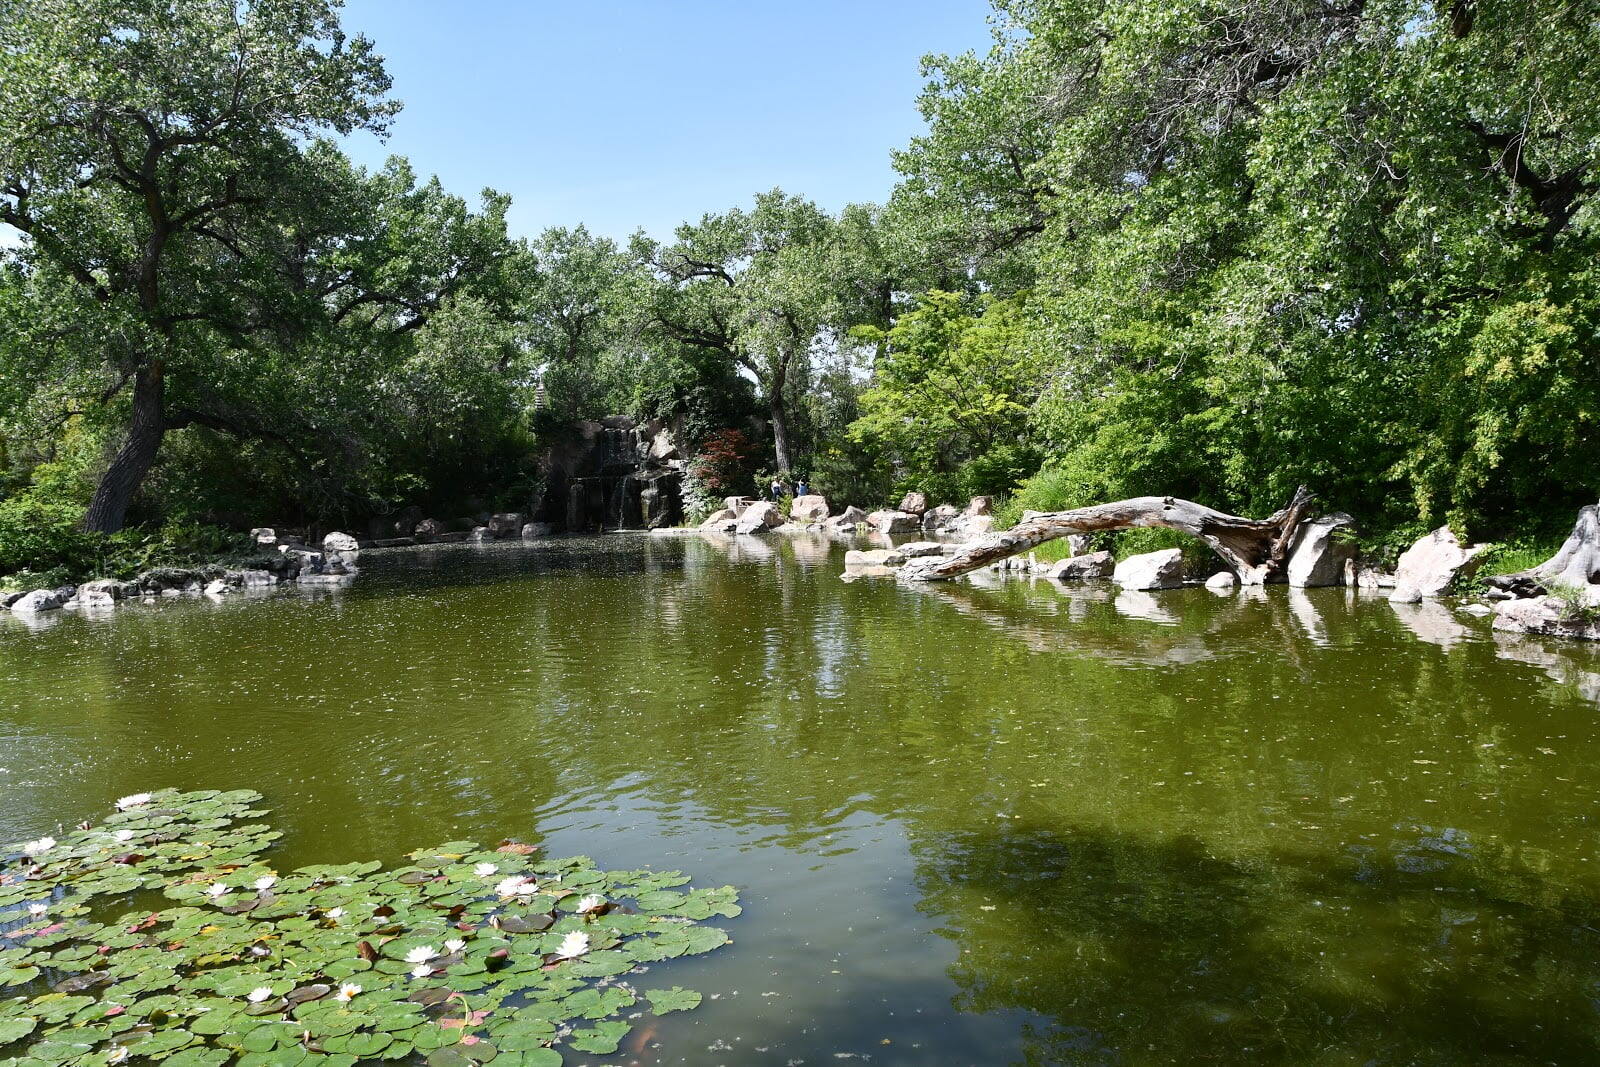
(311, 965)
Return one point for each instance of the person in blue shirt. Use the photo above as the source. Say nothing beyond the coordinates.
(777, 490)
(801, 488)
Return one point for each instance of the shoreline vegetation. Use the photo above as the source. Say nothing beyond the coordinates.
(1144, 251)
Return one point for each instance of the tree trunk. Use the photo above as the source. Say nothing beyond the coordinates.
(1254, 548)
(1576, 562)
(109, 506)
(780, 435)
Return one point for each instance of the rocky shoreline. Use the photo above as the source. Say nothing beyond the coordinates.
(280, 563)
(1559, 598)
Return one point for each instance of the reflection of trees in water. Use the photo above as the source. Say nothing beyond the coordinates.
(1142, 949)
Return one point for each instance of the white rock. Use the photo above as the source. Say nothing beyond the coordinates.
(1432, 563)
(1320, 551)
(894, 522)
(1222, 582)
(1087, 567)
(1405, 593)
(1162, 569)
(37, 601)
(810, 508)
(759, 517)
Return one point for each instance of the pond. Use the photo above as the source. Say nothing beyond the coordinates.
(979, 822)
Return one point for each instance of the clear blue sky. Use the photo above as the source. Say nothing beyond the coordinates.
(628, 113)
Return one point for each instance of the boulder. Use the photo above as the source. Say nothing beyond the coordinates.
(532, 531)
(8, 599)
(108, 587)
(339, 553)
(860, 560)
(737, 504)
(429, 530)
(1405, 593)
(719, 518)
(914, 503)
(980, 505)
(759, 517)
(921, 548)
(1528, 614)
(1430, 565)
(1222, 582)
(1320, 551)
(1162, 569)
(37, 601)
(849, 518)
(811, 508)
(974, 526)
(662, 446)
(1087, 567)
(264, 536)
(935, 519)
(218, 587)
(506, 524)
(480, 535)
(894, 522)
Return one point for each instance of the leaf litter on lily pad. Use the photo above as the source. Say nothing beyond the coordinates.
(465, 955)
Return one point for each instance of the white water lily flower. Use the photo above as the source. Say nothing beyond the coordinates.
(216, 889)
(335, 913)
(259, 950)
(118, 1055)
(133, 800)
(38, 908)
(123, 836)
(258, 994)
(347, 992)
(421, 970)
(590, 903)
(39, 847)
(455, 944)
(266, 882)
(484, 870)
(518, 885)
(574, 944)
(421, 954)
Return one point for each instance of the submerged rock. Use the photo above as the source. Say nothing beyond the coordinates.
(1549, 615)
(1222, 582)
(1162, 569)
(532, 531)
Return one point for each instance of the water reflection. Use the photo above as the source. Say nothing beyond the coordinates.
(990, 821)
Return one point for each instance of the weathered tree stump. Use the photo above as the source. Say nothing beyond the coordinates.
(1255, 549)
(1575, 564)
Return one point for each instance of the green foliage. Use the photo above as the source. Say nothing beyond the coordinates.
(464, 955)
(953, 387)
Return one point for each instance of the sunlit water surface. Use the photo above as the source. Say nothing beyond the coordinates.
(979, 822)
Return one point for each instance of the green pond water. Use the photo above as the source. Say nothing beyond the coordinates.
(982, 822)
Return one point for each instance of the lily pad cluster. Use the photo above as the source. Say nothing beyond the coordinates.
(466, 955)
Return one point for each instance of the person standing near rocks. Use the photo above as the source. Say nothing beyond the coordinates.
(801, 488)
(777, 489)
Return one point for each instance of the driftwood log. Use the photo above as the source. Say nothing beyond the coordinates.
(1575, 564)
(1254, 548)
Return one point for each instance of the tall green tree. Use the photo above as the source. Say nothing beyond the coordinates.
(757, 288)
(155, 156)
